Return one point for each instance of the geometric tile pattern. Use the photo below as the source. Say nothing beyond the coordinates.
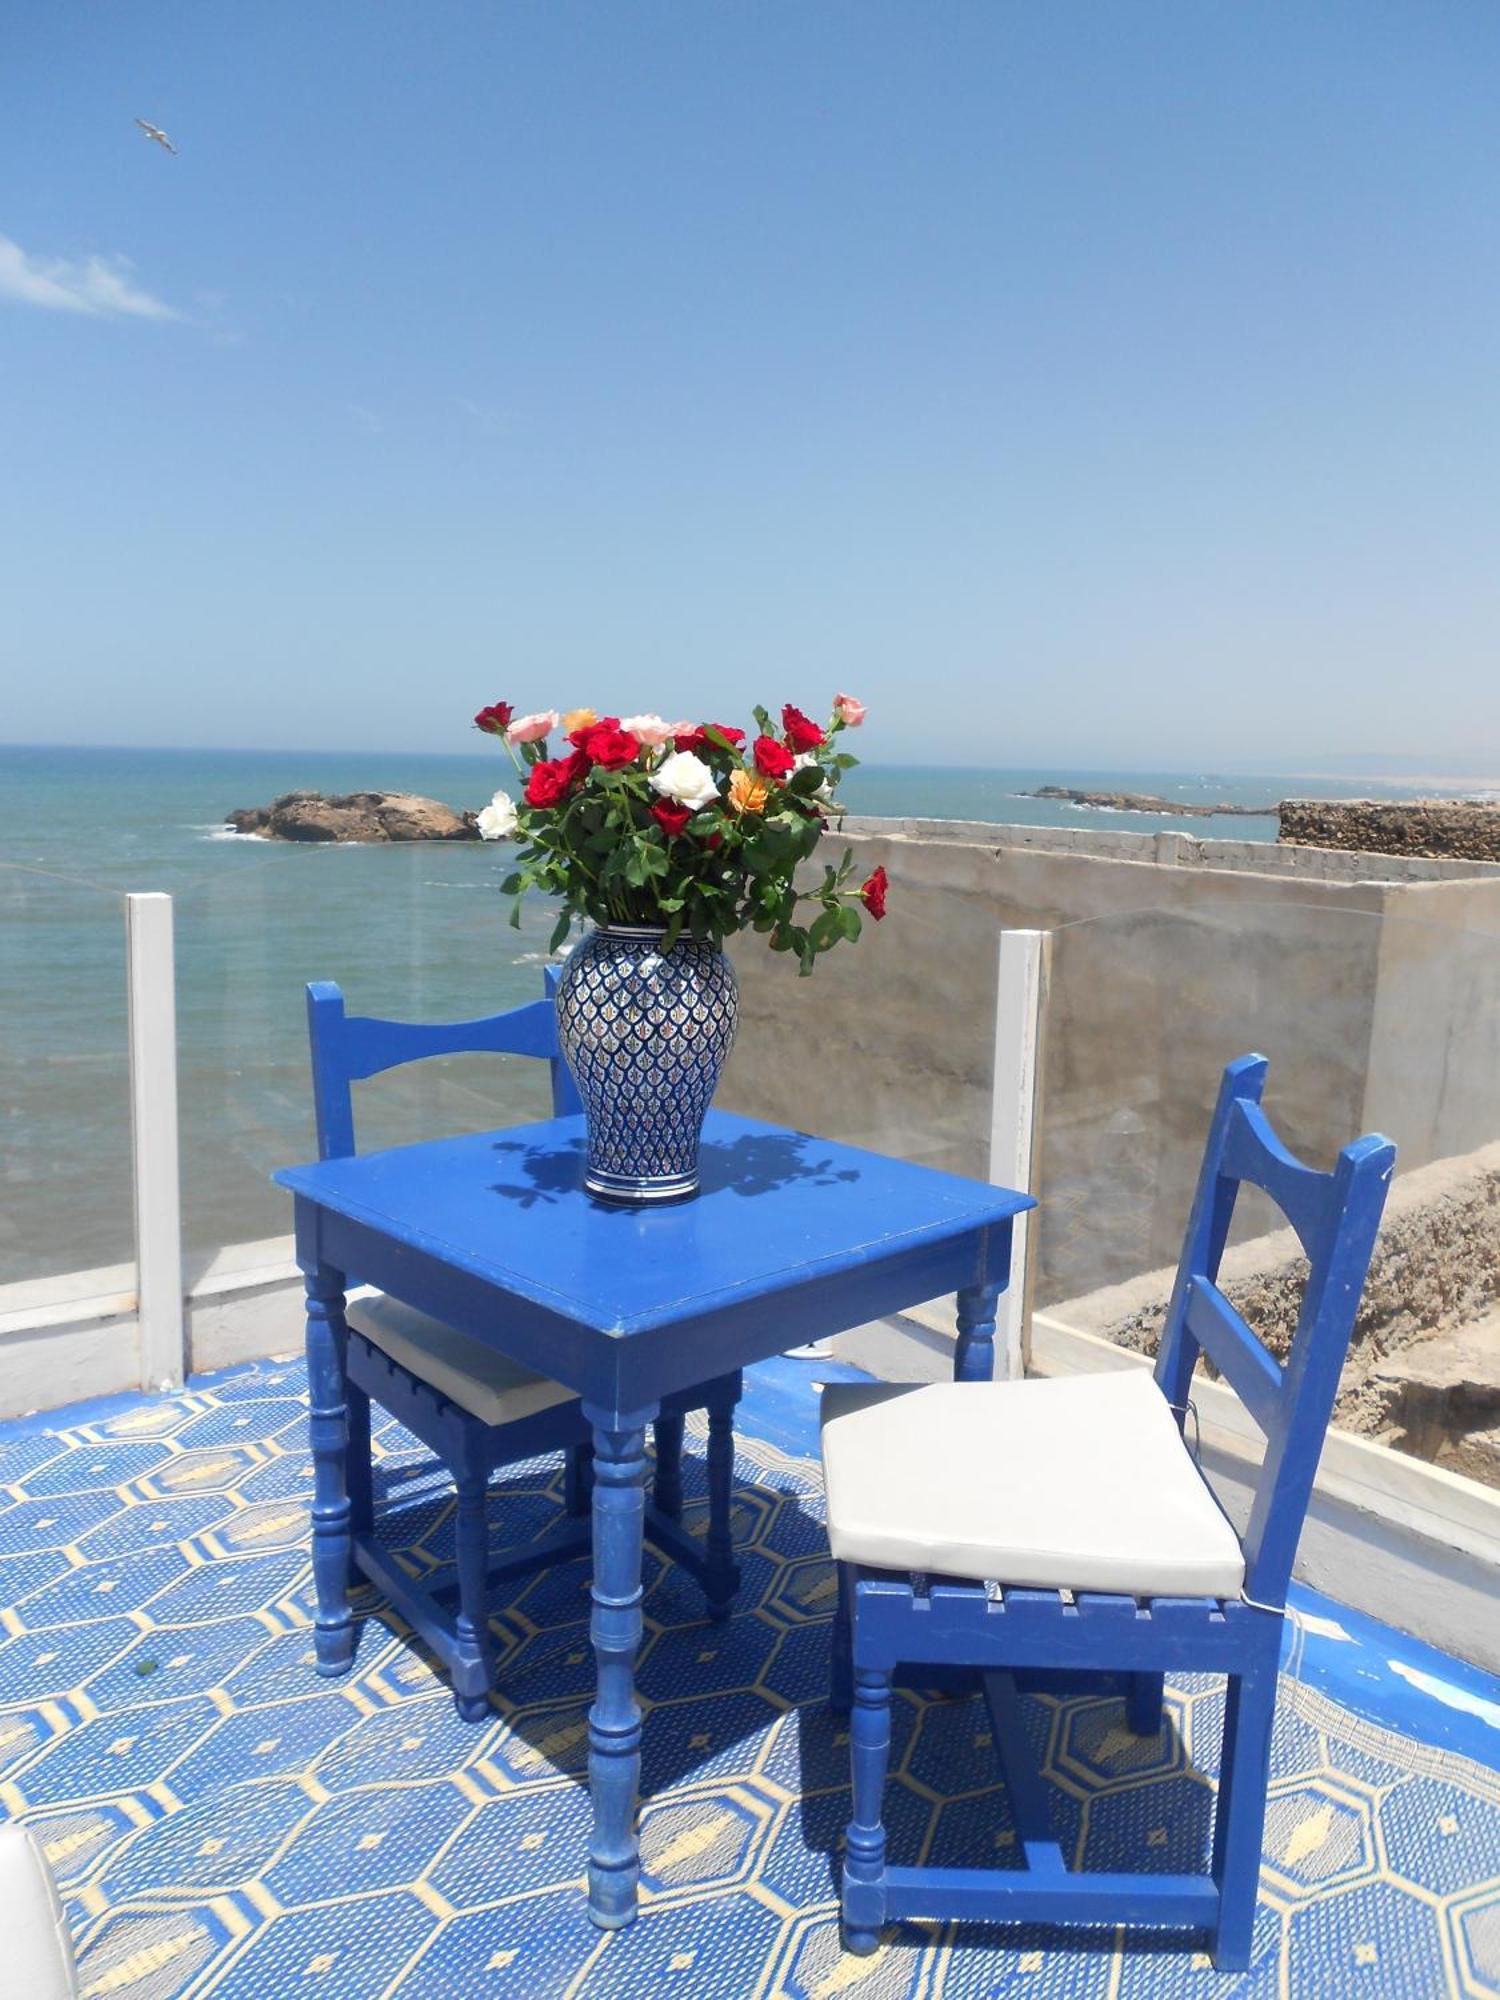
(224, 1823)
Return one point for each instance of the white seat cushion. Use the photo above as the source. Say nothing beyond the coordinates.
(1079, 1484)
(487, 1384)
(38, 1950)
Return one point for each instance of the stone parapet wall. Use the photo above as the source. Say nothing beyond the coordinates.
(1436, 829)
(1173, 848)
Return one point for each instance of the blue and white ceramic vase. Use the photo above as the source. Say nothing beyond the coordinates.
(646, 1033)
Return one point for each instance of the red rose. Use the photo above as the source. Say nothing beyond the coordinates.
(802, 733)
(495, 719)
(872, 893)
(610, 745)
(772, 759)
(549, 783)
(579, 738)
(697, 741)
(671, 817)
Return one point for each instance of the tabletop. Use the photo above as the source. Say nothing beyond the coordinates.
(509, 1207)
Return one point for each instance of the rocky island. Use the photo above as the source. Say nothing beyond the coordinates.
(1146, 802)
(371, 816)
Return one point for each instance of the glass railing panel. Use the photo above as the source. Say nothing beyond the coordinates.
(412, 932)
(1372, 1020)
(1145, 1010)
(66, 1202)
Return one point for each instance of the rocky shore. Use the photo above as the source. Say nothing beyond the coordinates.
(1437, 829)
(367, 816)
(1146, 802)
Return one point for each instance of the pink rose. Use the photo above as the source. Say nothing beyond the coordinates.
(532, 728)
(648, 729)
(849, 711)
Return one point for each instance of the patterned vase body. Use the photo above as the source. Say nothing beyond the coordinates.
(645, 1033)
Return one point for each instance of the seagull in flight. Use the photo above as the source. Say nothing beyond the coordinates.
(155, 132)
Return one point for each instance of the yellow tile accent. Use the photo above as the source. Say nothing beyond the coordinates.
(150, 1958)
(1307, 1836)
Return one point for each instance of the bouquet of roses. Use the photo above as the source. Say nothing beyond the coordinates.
(682, 825)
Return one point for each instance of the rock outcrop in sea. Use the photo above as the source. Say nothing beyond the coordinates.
(371, 816)
(1145, 802)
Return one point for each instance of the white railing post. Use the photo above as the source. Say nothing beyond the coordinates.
(153, 1131)
(1015, 1106)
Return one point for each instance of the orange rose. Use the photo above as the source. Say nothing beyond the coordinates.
(578, 718)
(747, 793)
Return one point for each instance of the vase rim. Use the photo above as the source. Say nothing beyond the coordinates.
(631, 930)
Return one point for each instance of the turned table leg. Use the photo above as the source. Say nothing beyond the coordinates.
(615, 1718)
(974, 1358)
(328, 1428)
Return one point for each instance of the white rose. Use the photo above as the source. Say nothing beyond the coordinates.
(499, 819)
(686, 778)
(648, 729)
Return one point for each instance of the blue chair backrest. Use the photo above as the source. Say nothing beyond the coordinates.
(1336, 1216)
(346, 1048)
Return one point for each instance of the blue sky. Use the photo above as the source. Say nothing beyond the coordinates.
(1093, 383)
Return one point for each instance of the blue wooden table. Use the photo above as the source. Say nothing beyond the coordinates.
(792, 1239)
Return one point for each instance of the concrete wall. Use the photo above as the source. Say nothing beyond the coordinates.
(1171, 955)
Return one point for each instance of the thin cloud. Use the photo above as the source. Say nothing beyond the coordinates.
(488, 422)
(100, 287)
(363, 418)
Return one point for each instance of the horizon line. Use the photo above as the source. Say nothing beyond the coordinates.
(1483, 772)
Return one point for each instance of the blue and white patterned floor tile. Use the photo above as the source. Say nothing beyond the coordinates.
(223, 1823)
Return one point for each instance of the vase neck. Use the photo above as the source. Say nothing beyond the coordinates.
(636, 932)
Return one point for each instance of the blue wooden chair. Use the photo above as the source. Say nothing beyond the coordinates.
(1062, 1525)
(468, 1403)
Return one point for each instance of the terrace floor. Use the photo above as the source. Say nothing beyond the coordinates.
(224, 1823)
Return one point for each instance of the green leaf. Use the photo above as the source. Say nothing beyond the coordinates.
(560, 930)
(826, 930)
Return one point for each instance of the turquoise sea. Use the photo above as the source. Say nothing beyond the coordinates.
(416, 931)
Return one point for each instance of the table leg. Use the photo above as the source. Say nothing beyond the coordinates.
(615, 1627)
(974, 1358)
(667, 1489)
(328, 1428)
(723, 1570)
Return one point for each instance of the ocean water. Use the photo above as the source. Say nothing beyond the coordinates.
(413, 931)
